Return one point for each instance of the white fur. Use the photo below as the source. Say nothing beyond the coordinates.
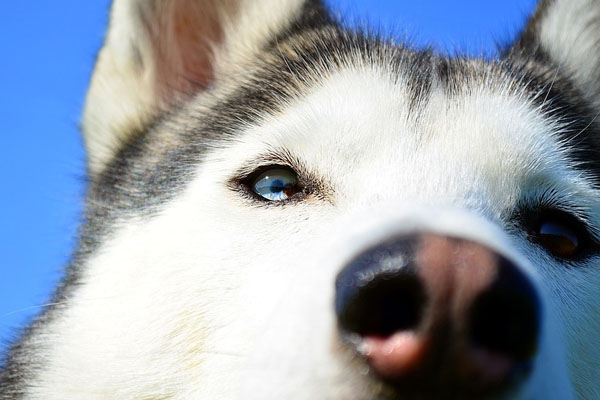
(214, 299)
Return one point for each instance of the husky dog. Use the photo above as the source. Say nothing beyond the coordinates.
(282, 208)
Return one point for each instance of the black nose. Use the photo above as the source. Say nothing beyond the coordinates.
(430, 308)
(379, 292)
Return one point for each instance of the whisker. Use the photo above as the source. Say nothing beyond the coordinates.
(574, 137)
(20, 310)
(552, 83)
(44, 305)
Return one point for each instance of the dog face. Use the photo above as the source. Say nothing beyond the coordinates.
(281, 208)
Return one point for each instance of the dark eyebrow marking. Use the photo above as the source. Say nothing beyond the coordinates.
(557, 97)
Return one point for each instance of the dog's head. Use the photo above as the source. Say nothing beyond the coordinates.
(281, 208)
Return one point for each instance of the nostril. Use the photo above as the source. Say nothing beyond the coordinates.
(505, 319)
(380, 292)
(388, 303)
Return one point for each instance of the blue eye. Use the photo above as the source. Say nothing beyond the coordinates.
(276, 184)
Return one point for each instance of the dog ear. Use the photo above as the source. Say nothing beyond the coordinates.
(157, 53)
(566, 33)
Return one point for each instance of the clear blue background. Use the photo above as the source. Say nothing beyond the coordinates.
(47, 52)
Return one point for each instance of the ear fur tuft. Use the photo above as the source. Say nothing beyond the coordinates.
(158, 53)
(566, 33)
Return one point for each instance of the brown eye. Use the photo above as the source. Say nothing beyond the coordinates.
(559, 238)
(567, 236)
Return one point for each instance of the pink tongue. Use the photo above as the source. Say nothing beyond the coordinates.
(393, 356)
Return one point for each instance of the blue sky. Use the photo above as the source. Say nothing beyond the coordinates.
(48, 49)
